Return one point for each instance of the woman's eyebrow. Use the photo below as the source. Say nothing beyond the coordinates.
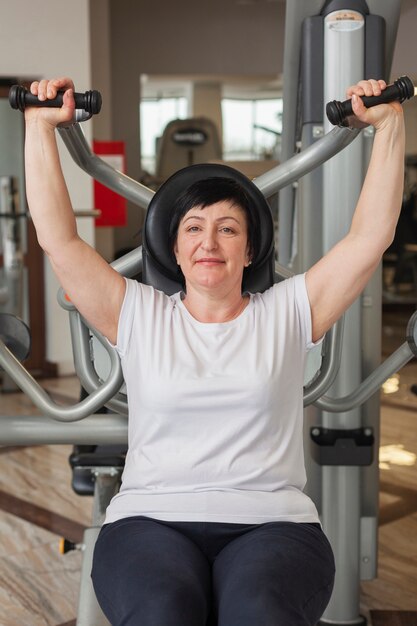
(228, 217)
(193, 217)
(219, 219)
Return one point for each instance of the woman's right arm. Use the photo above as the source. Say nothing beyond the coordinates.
(95, 289)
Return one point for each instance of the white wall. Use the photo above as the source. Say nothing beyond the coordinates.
(405, 62)
(189, 37)
(101, 80)
(49, 38)
(405, 52)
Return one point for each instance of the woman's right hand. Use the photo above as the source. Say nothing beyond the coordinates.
(379, 116)
(47, 90)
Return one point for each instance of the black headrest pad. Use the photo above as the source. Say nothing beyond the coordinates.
(158, 216)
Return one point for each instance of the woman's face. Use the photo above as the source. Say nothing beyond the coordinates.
(212, 247)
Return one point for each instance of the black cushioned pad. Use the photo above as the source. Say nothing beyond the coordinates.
(16, 335)
(158, 216)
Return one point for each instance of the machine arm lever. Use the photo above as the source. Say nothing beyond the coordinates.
(42, 400)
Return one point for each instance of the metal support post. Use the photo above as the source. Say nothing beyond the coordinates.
(107, 482)
(344, 36)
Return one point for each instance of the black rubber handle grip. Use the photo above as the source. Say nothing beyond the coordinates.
(400, 90)
(20, 98)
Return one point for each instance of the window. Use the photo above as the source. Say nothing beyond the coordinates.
(252, 123)
(251, 128)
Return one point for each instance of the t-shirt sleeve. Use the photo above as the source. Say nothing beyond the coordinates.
(304, 309)
(127, 314)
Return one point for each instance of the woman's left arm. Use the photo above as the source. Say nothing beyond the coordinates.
(335, 281)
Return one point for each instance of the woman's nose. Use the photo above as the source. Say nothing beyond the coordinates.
(209, 241)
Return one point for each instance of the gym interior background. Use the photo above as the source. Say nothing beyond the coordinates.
(197, 53)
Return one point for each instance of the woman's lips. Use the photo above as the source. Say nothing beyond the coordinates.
(210, 261)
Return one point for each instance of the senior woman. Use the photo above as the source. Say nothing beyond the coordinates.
(211, 524)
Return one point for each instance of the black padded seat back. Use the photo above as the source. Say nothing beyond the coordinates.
(159, 265)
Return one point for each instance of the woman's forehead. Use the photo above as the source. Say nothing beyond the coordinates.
(221, 208)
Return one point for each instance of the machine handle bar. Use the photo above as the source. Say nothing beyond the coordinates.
(401, 89)
(20, 98)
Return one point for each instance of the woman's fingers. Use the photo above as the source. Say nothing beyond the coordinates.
(367, 88)
(47, 89)
(376, 116)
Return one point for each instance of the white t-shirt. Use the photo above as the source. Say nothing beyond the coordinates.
(215, 409)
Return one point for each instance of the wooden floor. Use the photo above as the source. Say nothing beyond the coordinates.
(395, 589)
(39, 587)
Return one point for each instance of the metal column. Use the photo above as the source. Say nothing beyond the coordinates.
(344, 63)
(342, 42)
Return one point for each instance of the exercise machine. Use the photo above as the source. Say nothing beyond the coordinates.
(341, 393)
(330, 45)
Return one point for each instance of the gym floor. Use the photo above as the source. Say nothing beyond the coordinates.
(39, 587)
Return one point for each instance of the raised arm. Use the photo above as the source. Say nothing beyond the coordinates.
(335, 281)
(92, 285)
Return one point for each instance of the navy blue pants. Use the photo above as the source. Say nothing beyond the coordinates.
(149, 572)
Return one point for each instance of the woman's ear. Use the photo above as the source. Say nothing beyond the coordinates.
(175, 249)
(248, 256)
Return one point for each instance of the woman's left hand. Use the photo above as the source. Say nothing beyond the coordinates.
(377, 116)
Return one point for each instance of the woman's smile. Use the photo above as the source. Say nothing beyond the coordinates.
(210, 261)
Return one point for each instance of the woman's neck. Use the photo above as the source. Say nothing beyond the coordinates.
(209, 308)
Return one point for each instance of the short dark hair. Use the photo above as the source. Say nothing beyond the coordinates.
(208, 191)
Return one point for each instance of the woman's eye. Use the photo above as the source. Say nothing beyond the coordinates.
(227, 230)
(193, 229)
